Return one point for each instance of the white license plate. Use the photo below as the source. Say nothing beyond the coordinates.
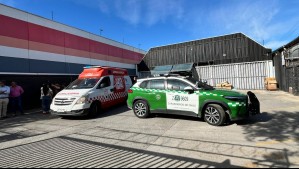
(61, 110)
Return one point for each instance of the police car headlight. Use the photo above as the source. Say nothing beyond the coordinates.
(82, 100)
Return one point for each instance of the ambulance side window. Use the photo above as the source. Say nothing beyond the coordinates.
(105, 83)
(176, 85)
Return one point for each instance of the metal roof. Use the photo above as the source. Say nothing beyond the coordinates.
(290, 44)
(210, 38)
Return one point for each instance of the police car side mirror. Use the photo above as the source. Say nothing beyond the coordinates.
(189, 89)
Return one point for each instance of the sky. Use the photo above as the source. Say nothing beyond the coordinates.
(152, 23)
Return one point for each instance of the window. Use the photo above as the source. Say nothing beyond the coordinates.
(83, 84)
(157, 84)
(105, 83)
(176, 85)
(294, 52)
(143, 85)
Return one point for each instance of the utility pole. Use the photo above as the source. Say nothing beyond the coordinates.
(101, 30)
(52, 16)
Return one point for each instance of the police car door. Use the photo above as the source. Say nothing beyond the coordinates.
(156, 95)
(179, 101)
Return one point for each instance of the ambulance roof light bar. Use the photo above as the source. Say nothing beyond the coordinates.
(89, 67)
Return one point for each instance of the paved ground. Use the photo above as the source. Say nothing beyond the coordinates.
(118, 139)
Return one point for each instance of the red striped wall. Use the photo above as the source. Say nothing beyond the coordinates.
(15, 33)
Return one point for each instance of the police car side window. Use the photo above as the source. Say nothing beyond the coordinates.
(143, 85)
(176, 85)
(157, 84)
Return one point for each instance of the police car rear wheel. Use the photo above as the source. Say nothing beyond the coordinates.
(141, 109)
(215, 115)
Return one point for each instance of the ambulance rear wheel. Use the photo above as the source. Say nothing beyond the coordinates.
(141, 109)
(215, 115)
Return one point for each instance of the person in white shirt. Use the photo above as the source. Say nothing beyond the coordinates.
(46, 97)
(4, 99)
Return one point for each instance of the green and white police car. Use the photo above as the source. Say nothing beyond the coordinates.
(186, 96)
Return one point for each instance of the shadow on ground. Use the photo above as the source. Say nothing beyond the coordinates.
(70, 152)
(13, 128)
(116, 110)
(279, 126)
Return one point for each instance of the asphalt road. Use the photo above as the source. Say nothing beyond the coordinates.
(118, 139)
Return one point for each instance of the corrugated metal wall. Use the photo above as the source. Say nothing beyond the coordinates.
(249, 76)
(234, 48)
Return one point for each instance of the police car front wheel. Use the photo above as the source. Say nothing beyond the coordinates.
(141, 109)
(214, 115)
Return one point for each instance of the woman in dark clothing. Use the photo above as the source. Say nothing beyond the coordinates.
(46, 97)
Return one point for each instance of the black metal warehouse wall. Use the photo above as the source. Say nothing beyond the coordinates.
(286, 61)
(287, 76)
(235, 48)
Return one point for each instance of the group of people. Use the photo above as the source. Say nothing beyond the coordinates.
(10, 95)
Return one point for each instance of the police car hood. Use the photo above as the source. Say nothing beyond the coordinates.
(73, 93)
(227, 93)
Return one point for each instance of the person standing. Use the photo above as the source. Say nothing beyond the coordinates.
(16, 98)
(56, 88)
(46, 96)
(4, 95)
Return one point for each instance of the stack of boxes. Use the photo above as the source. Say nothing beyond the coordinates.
(271, 84)
(225, 85)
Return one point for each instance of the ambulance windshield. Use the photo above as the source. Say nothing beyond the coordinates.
(83, 84)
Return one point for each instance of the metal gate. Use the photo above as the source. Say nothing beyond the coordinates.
(243, 76)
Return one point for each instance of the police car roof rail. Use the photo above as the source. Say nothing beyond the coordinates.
(168, 75)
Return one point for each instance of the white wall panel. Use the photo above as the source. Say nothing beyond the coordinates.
(249, 75)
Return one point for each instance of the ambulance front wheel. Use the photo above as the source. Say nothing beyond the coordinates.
(215, 115)
(94, 109)
(141, 109)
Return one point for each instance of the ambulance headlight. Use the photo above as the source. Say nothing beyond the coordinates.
(82, 100)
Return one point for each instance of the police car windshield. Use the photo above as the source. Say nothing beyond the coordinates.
(83, 84)
(200, 84)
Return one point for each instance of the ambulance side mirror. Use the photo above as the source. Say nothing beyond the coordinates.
(102, 85)
(189, 89)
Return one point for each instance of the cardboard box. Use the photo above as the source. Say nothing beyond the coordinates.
(224, 85)
(272, 85)
(269, 79)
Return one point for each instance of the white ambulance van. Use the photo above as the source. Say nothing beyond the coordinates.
(96, 88)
